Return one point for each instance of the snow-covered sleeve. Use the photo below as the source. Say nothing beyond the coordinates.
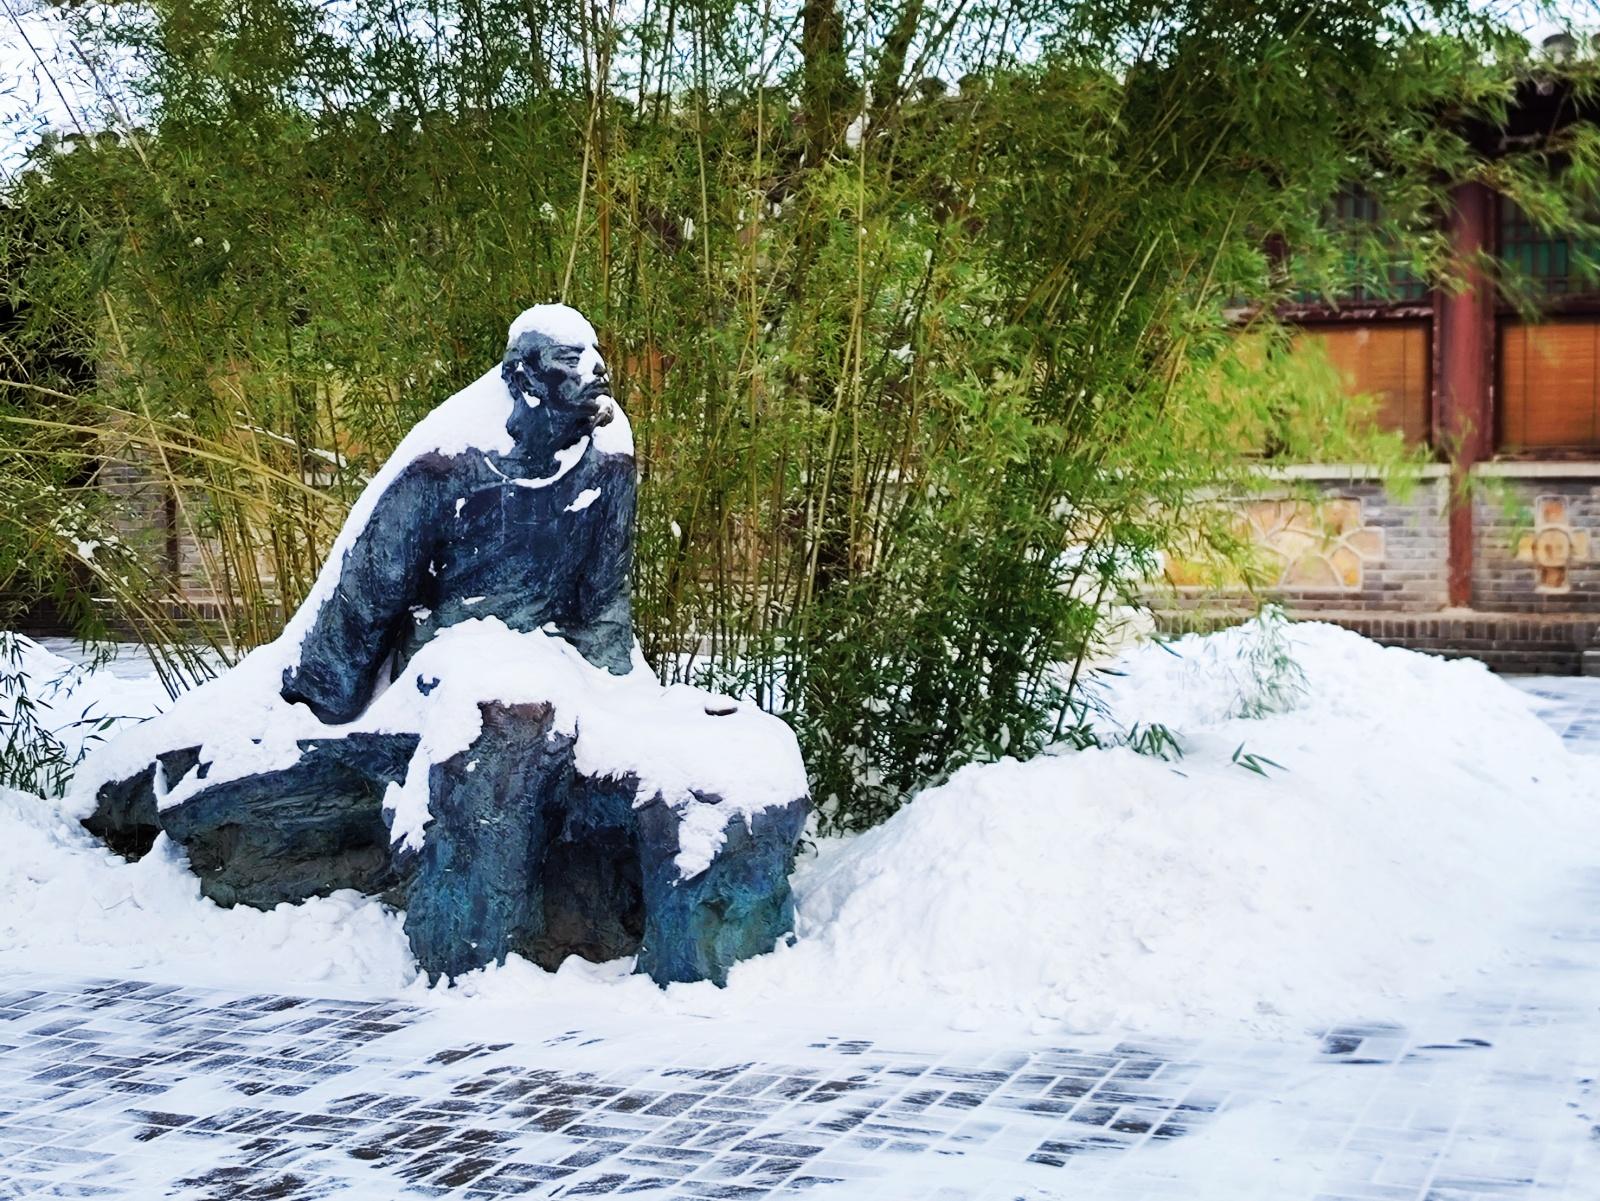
(361, 620)
(604, 631)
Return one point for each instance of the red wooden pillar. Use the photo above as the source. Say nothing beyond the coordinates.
(1463, 382)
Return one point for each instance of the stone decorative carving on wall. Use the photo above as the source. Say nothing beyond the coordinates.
(1314, 546)
(1303, 546)
(1553, 545)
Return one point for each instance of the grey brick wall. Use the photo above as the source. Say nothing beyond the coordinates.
(139, 502)
(1512, 643)
(1523, 620)
(1519, 622)
(146, 518)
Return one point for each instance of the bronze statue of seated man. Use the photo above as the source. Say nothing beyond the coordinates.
(457, 718)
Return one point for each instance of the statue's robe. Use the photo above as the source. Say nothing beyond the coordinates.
(470, 536)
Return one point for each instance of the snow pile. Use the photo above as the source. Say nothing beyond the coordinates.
(73, 906)
(81, 708)
(1420, 810)
(1419, 805)
(676, 740)
(558, 322)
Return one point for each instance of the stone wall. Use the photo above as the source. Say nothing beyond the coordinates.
(1408, 551)
(141, 511)
(1353, 552)
(1507, 642)
(146, 517)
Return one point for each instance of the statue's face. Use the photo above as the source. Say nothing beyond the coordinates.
(567, 386)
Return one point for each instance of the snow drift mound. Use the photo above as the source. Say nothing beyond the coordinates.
(1420, 812)
(82, 708)
(74, 907)
(1420, 805)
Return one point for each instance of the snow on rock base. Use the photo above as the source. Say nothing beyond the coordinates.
(75, 908)
(511, 796)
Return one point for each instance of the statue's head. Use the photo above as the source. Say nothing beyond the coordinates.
(559, 385)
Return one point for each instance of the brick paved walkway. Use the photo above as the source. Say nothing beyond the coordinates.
(117, 1088)
(117, 1085)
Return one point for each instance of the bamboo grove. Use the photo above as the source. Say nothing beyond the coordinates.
(926, 317)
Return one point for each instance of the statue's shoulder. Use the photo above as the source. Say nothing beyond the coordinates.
(414, 490)
(456, 436)
(612, 472)
(468, 425)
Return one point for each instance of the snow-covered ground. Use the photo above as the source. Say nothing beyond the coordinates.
(1406, 814)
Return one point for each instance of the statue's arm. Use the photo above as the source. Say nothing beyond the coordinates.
(604, 632)
(360, 622)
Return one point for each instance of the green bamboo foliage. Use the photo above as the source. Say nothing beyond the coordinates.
(925, 376)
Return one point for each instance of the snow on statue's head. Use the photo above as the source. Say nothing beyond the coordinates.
(559, 385)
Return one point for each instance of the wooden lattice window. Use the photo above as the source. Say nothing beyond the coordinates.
(1353, 217)
(1388, 360)
(1550, 385)
(1551, 263)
